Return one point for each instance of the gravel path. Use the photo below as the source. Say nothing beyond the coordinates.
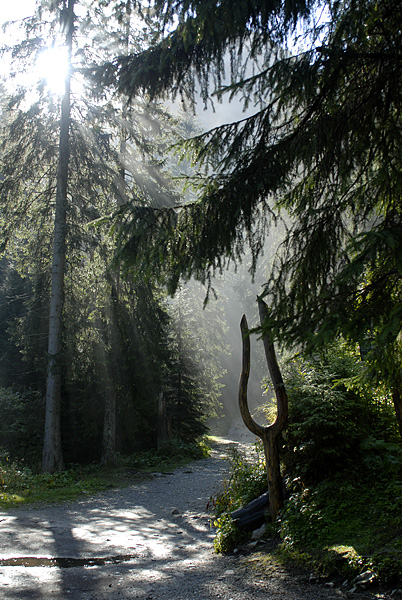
(151, 540)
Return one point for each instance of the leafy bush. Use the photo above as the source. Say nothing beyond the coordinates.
(247, 481)
(343, 461)
(227, 534)
(334, 422)
(173, 453)
(13, 477)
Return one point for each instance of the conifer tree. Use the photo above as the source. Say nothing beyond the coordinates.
(52, 451)
(111, 355)
(320, 147)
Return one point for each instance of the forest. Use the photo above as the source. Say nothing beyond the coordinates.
(167, 167)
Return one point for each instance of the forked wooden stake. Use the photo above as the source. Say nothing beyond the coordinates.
(271, 433)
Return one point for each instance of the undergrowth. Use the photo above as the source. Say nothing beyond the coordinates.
(346, 526)
(172, 455)
(247, 480)
(19, 484)
(342, 464)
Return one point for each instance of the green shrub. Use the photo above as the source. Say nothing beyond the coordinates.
(175, 452)
(343, 461)
(345, 526)
(247, 481)
(334, 422)
(228, 536)
(14, 477)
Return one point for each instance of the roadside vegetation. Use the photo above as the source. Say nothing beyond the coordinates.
(21, 485)
(342, 466)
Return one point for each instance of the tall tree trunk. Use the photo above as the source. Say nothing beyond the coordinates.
(270, 435)
(109, 419)
(113, 337)
(52, 451)
(162, 423)
(109, 426)
(397, 400)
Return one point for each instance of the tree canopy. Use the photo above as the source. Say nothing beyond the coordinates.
(321, 148)
(117, 340)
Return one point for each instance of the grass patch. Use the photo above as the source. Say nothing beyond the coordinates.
(20, 486)
(174, 455)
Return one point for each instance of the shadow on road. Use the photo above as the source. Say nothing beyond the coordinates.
(151, 540)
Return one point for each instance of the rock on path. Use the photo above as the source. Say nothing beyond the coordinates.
(151, 540)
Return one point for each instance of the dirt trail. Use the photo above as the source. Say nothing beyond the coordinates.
(151, 540)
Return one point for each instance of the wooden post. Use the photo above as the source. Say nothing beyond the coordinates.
(269, 435)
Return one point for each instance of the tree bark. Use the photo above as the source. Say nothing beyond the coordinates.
(109, 427)
(113, 338)
(269, 435)
(397, 400)
(52, 450)
(110, 406)
(163, 424)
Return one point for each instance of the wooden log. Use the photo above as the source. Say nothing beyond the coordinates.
(252, 515)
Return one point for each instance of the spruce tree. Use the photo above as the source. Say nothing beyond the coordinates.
(320, 148)
(112, 354)
(52, 450)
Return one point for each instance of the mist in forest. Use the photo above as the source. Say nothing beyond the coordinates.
(236, 294)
